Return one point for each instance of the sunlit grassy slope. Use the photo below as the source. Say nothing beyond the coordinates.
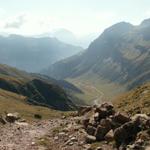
(135, 101)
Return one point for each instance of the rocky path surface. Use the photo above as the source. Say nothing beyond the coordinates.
(60, 134)
(91, 128)
(23, 136)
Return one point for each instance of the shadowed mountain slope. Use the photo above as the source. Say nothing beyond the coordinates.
(37, 88)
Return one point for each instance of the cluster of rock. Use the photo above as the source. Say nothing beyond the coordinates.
(9, 118)
(104, 123)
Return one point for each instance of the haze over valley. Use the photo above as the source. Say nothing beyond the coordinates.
(75, 75)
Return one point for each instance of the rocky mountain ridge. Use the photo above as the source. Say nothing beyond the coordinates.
(39, 90)
(120, 54)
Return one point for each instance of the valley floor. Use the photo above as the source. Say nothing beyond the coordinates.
(95, 89)
(98, 96)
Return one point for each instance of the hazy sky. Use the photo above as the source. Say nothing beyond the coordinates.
(79, 16)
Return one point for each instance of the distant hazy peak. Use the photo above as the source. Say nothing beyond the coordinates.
(15, 36)
(146, 22)
(62, 32)
(114, 31)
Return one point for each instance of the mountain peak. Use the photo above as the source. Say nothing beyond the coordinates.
(120, 27)
(146, 22)
(123, 23)
(117, 55)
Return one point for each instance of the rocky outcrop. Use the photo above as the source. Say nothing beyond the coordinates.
(12, 117)
(103, 123)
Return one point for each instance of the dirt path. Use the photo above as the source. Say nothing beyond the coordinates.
(98, 97)
(61, 134)
(23, 136)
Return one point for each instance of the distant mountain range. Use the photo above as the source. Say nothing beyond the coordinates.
(121, 54)
(68, 37)
(33, 54)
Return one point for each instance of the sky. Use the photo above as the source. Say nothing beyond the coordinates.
(82, 17)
